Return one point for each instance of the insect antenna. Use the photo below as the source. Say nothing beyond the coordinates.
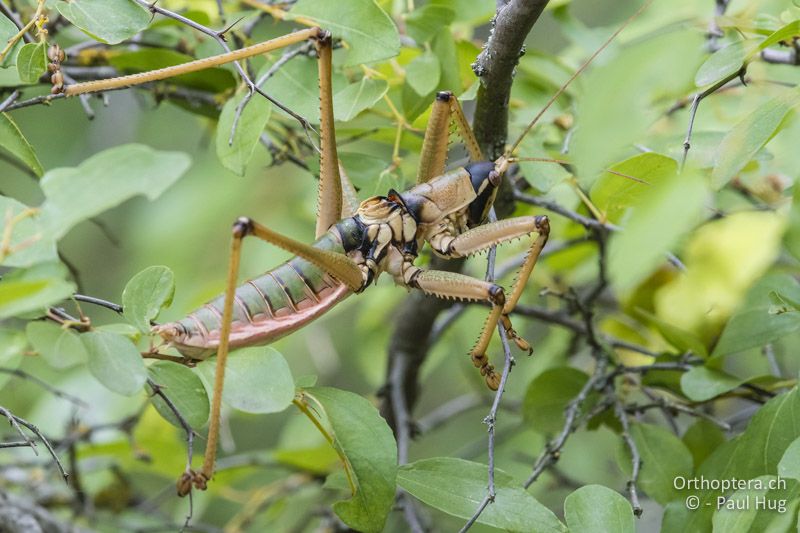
(572, 78)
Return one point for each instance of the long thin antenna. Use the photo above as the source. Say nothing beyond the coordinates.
(577, 73)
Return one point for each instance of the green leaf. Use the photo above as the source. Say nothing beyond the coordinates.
(184, 389)
(296, 86)
(547, 397)
(306, 381)
(33, 289)
(424, 23)
(754, 453)
(789, 466)
(542, 176)
(750, 135)
(423, 73)
(115, 361)
(635, 251)
(236, 155)
(598, 509)
(457, 487)
(683, 340)
(701, 383)
(215, 80)
(146, 294)
(724, 62)
(736, 515)
(614, 193)
(108, 21)
(106, 180)
(664, 457)
(60, 347)
(257, 380)
(443, 46)
(786, 33)
(12, 140)
(12, 345)
(363, 436)
(780, 304)
(792, 237)
(29, 243)
(702, 438)
(122, 328)
(357, 97)
(770, 433)
(8, 30)
(753, 325)
(32, 62)
(614, 116)
(723, 259)
(368, 30)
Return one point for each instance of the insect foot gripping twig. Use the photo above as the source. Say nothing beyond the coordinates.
(56, 56)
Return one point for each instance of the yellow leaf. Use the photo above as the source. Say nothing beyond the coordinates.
(723, 259)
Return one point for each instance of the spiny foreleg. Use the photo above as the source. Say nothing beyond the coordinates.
(453, 285)
(484, 237)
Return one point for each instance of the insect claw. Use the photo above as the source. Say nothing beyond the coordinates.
(184, 484)
(492, 378)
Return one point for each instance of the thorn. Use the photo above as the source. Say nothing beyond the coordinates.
(221, 33)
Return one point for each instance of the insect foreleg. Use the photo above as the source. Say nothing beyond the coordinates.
(488, 235)
(483, 237)
(453, 285)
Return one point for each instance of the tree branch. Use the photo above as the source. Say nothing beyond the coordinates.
(495, 67)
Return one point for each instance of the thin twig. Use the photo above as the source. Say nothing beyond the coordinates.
(84, 98)
(491, 419)
(157, 390)
(636, 460)
(285, 58)
(586, 222)
(687, 143)
(17, 422)
(98, 301)
(219, 36)
(402, 421)
(552, 450)
(46, 386)
(10, 100)
(446, 412)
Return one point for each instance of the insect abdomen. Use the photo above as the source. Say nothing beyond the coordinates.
(265, 308)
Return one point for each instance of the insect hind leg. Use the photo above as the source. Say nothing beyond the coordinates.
(337, 265)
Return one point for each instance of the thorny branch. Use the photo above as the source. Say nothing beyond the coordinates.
(491, 418)
(158, 390)
(495, 68)
(769, 55)
(636, 460)
(418, 313)
(17, 423)
(219, 36)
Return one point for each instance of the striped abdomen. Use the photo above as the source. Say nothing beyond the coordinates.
(265, 308)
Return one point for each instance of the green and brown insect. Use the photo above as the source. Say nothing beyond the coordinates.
(357, 242)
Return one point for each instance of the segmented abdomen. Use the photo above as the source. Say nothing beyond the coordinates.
(265, 308)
